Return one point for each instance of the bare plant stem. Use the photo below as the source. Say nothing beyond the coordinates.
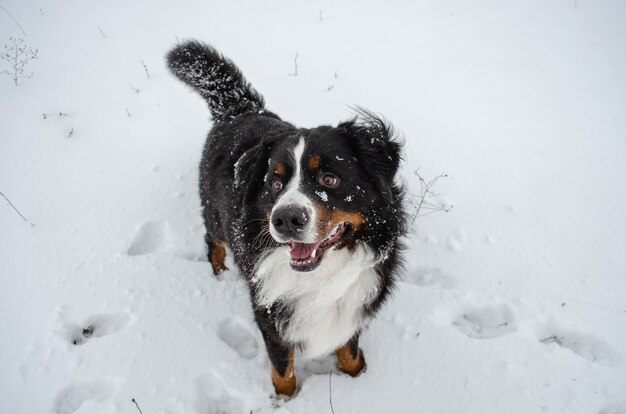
(17, 55)
(145, 68)
(71, 133)
(137, 405)
(101, 32)
(133, 88)
(127, 112)
(295, 64)
(426, 193)
(14, 21)
(60, 114)
(16, 210)
(330, 391)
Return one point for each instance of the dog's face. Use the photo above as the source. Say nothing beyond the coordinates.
(323, 188)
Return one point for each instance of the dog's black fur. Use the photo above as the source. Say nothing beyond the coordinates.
(236, 179)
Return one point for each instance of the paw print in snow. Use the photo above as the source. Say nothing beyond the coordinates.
(485, 322)
(97, 326)
(238, 337)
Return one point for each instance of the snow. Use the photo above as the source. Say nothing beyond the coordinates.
(323, 195)
(514, 301)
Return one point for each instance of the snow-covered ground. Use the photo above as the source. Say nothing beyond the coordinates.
(513, 302)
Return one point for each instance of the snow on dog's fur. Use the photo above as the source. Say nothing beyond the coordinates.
(312, 215)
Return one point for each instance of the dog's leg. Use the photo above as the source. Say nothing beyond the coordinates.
(283, 376)
(217, 253)
(350, 357)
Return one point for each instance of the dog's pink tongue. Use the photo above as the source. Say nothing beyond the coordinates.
(300, 251)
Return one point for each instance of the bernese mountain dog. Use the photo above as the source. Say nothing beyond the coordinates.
(313, 216)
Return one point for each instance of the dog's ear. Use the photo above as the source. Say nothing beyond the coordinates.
(376, 148)
(250, 170)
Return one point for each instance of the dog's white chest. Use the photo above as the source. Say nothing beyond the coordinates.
(327, 302)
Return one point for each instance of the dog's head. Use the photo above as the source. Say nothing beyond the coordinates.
(328, 187)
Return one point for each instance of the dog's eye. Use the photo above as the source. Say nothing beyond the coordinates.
(277, 185)
(329, 180)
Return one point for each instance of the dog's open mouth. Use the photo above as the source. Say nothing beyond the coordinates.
(307, 256)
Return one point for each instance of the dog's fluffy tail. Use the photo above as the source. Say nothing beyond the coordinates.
(215, 78)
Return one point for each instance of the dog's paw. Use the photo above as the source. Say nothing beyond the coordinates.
(351, 366)
(278, 400)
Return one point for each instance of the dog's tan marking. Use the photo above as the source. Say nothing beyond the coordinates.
(351, 217)
(280, 169)
(314, 162)
(286, 384)
(347, 363)
(328, 219)
(218, 253)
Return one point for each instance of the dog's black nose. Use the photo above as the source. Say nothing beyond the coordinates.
(290, 221)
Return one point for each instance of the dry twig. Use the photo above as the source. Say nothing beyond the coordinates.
(137, 405)
(145, 67)
(17, 55)
(14, 21)
(101, 32)
(424, 200)
(295, 64)
(330, 391)
(50, 115)
(16, 210)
